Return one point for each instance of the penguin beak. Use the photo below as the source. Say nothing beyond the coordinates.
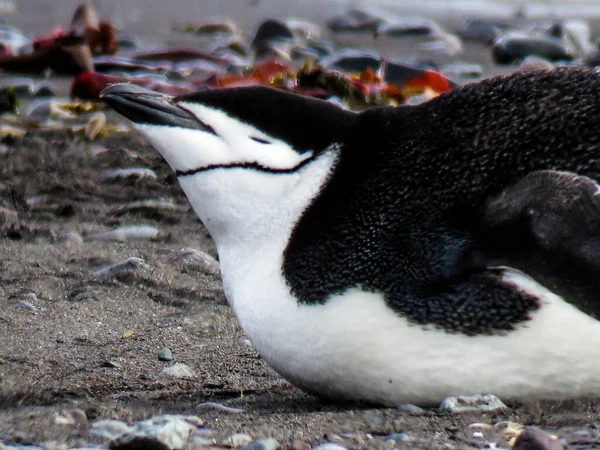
(143, 106)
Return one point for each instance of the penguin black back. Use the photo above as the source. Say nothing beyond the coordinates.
(404, 209)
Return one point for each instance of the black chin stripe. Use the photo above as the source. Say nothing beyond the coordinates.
(250, 165)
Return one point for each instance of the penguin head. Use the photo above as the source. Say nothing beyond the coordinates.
(242, 155)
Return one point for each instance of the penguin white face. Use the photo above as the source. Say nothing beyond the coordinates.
(242, 180)
(226, 143)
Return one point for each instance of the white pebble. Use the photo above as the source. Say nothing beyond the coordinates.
(131, 233)
(127, 264)
(22, 304)
(110, 429)
(178, 370)
(133, 172)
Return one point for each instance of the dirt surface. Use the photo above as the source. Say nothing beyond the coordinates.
(92, 341)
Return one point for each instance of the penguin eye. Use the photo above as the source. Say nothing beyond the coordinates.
(259, 140)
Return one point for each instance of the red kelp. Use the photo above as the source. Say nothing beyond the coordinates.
(88, 85)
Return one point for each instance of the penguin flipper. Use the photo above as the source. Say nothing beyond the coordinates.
(547, 225)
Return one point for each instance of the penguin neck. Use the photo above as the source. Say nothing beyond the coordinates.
(251, 215)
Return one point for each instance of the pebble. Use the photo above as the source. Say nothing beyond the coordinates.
(532, 438)
(299, 445)
(136, 173)
(161, 432)
(237, 440)
(75, 417)
(329, 446)
(410, 409)
(246, 343)
(397, 437)
(220, 407)
(516, 46)
(178, 370)
(165, 354)
(125, 265)
(202, 437)
(206, 262)
(150, 204)
(463, 403)
(110, 429)
(111, 365)
(122, 234)
(24, 305)
(262, 444)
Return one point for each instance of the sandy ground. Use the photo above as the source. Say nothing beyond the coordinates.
(54, 359)
(91, 342)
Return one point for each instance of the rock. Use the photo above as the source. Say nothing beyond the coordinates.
(409, 27)
(24, 305)
(410, 409)
(202, 437)
(246, 343)
(238, 440)
(205, 262)
(76, 417)
(329, 446)
(220, 407)
(463, 403)
(122, 234)
(355, 20)
(532, 63)
(299, 445)
(178, 370)
(517, 46)
(125, 265)
(165, 354)
(272, 30)
(150, 205)
(133, 173)
(532, 438)
(397, 437)
(480, 31)
(111, 365)
(166, 432)
(262, 444)
(110, 429)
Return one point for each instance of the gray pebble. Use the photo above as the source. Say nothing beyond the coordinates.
(122, 234)
(410, 409)
(150, 204)
(24, 305)
(237, 440)
(246, 343)
(178, 370)
(206, 262)
(111, 365)
(160, 432)
(202, 437)
(110, 429)
(532, 438)
(329, 446)
(463, 403)
(397, 437)
(125, 265)
(220, 407)
(133, 172)
(165, 354)
(262, 444)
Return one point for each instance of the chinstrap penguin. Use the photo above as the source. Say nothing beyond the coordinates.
(402, 255)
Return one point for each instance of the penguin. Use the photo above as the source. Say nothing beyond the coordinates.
(402, 254)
